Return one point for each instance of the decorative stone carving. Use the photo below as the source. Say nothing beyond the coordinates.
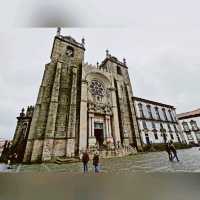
(91, 107)
(99, 108)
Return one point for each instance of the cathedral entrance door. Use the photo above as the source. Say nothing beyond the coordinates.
(98, 133)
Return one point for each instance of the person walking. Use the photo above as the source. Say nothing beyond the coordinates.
(96, 162)
(15, 158)
(167, 147)
(85, 160)
(9, 162)
(173, 149)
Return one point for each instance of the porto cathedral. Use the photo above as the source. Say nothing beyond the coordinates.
(79, 106)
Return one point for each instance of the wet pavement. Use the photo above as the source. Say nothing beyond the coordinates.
(145, 162)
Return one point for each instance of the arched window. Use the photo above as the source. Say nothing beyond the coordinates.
(170, 113)
(162, 128)
(157, 113)
(156, 135)
(164, 113)
(119, 71)
(153, 126)
(70, 51)
(175, 129)
(169, 128)
(185, 126)
(149, 111)
(194, 125)
(144, 124)
(141, 110)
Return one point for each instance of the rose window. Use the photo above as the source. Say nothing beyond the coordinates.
(97, 88)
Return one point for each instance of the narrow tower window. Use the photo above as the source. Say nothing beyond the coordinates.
(70, 51)
(164, 113)
(119, 71)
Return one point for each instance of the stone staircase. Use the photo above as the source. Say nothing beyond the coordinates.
(113, 152)
(103, 153)
(60, 160)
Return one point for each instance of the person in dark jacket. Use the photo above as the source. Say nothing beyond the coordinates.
(96, 162)
(167, 147)
(85, 160)
(173, 149)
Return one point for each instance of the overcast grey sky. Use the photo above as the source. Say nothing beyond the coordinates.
(164, 65)
(160, 40)
(76, 13)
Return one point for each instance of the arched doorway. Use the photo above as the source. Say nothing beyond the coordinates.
(98, 132)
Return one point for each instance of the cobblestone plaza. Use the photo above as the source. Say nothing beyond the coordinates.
(148, 162)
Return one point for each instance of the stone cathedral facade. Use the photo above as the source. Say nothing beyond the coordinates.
(80, 106)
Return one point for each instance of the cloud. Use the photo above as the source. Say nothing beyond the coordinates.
(173, 78)
(163, 64)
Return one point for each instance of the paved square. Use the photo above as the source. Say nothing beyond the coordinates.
(145, 162)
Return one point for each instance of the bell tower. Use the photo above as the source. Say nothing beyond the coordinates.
(54, 129)
(127, 131)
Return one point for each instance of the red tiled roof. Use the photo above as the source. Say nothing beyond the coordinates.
(152, 102)
(194, 113)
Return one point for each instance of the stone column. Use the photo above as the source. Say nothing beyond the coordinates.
(115, 119)
(70, 146)
(90, 125)
(109, 127)
(93, 126)
(83, 118)
(134, 120)
(51, 119)
(106, 127)
(108, 130)
(91, 138)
